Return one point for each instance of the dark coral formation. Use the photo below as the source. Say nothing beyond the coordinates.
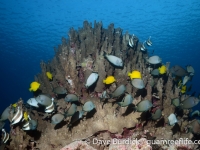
(75, 59)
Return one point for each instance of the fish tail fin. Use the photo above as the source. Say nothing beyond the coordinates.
(129, 74)
(104, 81)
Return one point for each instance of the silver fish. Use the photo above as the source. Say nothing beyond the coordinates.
(72, 109)
(43, 100)
(57, 118)
(157, 115)
(137, 83)
(172, 119)
(178, 71)
(176, 102)
(155, 72)
(33, 102)
(88, 106)
(91, 79)
(127, 100)
(71, 98)
(144, 105)
(118, 92)
(190, 70)
(116, 61)
(189, 103)
(154, 60)
(6, 113)
(186, 79)
(60, 90)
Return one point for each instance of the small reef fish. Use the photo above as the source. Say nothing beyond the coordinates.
(17, 116)
(5, 137)
(88, 106)
(14, 105)
(138, 83)
(143, 48)
(131, 42)
(135, 74)
(178, 71)
(91, 79)
(127, 100)
(59, 90)
(155, 72)
(176, 102)
(162, 69)
(148, 42)
(154, 60)
(33, 102)
(30, 125)
(57, 118)
(6, 113)
(118, 92)
(34, 86)
(183, 89)
(49, 75)
(157, 115)
(116, 61)
(44, 100)
(186, 79)
(144, 106)
(71, 98)
(190, 70)
(172, 119)
(109, 80)
(50, 108)
(189, 103)
(72, 109)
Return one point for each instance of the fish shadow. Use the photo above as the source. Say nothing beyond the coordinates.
(60, 96)
(179, 112)
(60, 125)
(74, 124)
(176, 128)
(144, 116)
(118, 99)
(35, 134)
(160, 123)
(37, 92)
(91, 113)
(142, 92)
(129, 110)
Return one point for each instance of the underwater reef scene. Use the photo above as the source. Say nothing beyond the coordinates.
(103, 85)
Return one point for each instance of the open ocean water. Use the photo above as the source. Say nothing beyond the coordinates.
(29, 29)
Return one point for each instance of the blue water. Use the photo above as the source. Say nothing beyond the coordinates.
(29, 29)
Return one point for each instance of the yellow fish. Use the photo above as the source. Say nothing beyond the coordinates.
(14, 105)
(183, 89)
(34, 86)
(109, 80)
(135, 75)
(25, 116)
(49, 75)
(162, 69)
